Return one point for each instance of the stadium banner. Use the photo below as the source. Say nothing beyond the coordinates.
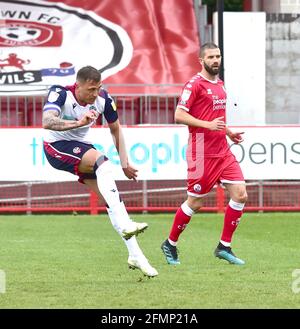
(129, 41)
(157, 152)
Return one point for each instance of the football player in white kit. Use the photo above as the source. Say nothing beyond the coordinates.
(68, 115)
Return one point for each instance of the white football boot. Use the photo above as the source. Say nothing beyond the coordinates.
(132, 229)
(143, 265)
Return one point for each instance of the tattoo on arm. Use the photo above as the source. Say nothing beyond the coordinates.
(53, 122)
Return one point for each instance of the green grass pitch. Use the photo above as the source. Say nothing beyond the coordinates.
(65, 261)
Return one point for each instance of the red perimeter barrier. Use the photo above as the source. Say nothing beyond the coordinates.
(143, 196)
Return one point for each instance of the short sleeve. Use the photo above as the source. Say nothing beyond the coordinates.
(110, 109)
(56, 98)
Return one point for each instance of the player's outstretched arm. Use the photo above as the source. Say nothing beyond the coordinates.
(52, 121)
(119, 141)
(235, 137)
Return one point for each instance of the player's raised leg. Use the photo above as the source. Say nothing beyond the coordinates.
(127, 229)
(95, 162)
(108, 189)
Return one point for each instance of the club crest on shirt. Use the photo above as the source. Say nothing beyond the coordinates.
(76, 150)
(197, 187)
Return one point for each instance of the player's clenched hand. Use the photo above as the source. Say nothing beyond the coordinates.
(236, 137)
(216, 124)
(87, 118)
(130, 172)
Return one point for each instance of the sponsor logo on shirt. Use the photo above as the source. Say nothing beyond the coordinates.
(219, 104)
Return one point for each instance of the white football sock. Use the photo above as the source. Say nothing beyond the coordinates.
(119, 217)
(108, 188)
(106, 184)
(134, 250)
(117, 212)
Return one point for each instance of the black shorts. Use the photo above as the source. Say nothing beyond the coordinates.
(66, 155)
